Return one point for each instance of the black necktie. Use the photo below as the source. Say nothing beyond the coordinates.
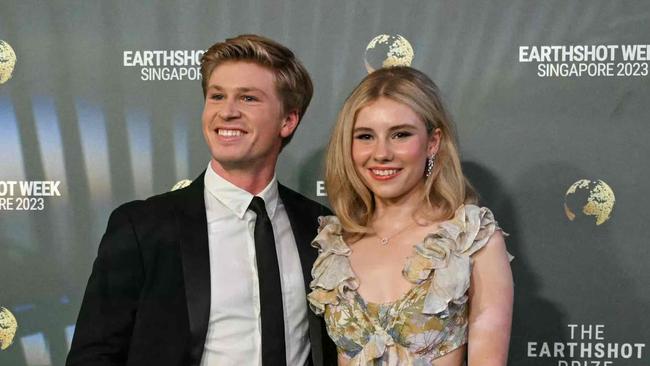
(268, 273)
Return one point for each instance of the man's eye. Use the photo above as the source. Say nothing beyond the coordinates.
(216, 96)
(248, 98)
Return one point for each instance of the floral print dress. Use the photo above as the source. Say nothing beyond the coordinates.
(428, 321)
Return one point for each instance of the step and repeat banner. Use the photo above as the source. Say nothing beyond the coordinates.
(100, 103)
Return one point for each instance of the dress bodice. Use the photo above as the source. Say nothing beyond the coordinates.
(425, 323)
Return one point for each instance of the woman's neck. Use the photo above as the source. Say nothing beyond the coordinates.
(399, 211)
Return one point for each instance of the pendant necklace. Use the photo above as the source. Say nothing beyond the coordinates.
(383, 240)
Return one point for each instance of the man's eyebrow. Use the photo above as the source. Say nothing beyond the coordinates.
(250, 89)
(242, 89)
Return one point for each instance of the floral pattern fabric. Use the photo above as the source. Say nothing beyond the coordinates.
(428, 321)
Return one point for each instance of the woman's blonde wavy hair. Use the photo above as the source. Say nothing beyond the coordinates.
(445, 189)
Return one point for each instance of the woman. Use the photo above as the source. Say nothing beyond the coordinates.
(410, 271)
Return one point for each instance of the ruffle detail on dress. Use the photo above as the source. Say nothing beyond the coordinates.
(448, 251)
(332, 274)
(381, 346)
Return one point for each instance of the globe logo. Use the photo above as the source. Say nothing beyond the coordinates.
(7, 61)
(8, 327)
(388, 50)
(589, 198)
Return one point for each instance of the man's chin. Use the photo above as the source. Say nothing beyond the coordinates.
(230, 163)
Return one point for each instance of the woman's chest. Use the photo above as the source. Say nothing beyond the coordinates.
(379, 273)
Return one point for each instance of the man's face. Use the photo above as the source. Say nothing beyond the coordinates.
(243, 118)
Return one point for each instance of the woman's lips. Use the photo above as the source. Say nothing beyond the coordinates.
(384, 173)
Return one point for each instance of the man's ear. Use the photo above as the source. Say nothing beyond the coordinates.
(289, 124)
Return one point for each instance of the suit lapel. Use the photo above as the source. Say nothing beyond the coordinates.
(193, 234)
(304, 230)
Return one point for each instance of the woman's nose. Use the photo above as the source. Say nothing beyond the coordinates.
(382, 151)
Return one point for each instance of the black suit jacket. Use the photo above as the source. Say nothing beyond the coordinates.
(148, 298)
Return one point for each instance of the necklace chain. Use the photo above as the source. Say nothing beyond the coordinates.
(383, 240)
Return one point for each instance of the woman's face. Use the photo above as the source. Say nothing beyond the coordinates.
(390, 146)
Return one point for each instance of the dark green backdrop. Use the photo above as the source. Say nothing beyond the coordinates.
(73, 112)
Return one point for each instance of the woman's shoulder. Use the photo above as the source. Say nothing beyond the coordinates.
(329, 235)
(445, 256)
(470, 228)
(332, 275)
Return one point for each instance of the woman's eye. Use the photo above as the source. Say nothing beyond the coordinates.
(216, 96)
(363, 136)
(402, 134)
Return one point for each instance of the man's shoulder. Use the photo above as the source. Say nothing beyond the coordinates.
(156, 202)
(292, 198)
(162, 203)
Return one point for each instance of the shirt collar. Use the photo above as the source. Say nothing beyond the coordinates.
(236, 199)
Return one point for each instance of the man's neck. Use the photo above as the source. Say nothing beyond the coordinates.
(252, 181)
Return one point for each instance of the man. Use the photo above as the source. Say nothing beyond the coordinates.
(216, 273)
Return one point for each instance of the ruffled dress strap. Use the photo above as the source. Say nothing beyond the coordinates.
(334, 281)
(447, 253)
(333, 278)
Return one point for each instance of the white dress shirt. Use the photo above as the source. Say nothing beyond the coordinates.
(234, 329)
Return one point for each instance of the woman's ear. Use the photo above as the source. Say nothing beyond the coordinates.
(434, 142)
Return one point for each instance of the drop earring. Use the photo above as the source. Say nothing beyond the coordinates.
(430, 161)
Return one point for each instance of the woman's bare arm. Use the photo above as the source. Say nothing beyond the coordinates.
(490, 308)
